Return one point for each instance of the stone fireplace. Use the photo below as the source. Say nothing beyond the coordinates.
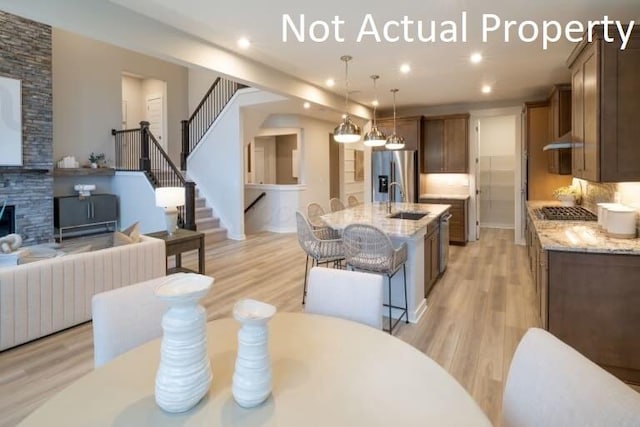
(29, 188)
(7, 220)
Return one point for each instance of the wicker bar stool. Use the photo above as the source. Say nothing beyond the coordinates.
(314, 212)
(323, 246)
(336, 205)
(367, 248)
(352, 201)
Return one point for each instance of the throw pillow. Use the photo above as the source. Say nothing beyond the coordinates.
(133, 231)
(130, 234)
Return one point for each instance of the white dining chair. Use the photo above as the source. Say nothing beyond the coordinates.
(346, 294)
(352, 201)
(550, 384)
(125, 318)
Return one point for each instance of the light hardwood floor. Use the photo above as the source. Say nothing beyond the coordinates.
(476, 315)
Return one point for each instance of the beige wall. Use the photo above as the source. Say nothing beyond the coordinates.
(87, 94)
(200, 80)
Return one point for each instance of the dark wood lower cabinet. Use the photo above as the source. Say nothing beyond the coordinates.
(593, 305)
(458, 221)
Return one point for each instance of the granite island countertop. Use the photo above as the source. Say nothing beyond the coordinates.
(376, 214)
(577, 236)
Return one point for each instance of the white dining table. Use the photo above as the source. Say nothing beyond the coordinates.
(326, 372)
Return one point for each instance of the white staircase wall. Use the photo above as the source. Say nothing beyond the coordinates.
(137, 202)
(216, 164)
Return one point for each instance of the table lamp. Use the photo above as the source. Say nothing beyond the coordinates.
(170, 198)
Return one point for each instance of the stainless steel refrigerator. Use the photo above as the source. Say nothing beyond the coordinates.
(399, 166)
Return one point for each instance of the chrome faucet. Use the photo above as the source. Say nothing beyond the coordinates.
(389, 194)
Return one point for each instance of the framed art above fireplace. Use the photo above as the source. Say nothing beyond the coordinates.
(10, 122)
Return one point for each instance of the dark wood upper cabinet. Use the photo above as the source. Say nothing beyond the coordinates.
(445, 144)
(410, 128)
(559, 160)
(606, 109)
(560, 111)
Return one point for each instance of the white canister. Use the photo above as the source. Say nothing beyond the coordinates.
(602, 213)
(621, 222)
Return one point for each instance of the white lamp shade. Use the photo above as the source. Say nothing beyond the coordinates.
(169, 196)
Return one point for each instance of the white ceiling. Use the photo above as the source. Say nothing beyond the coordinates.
(440, 72)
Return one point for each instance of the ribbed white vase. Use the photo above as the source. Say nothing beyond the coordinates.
(184, 373)
(252, 376)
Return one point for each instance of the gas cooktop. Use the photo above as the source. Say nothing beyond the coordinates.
(566, 213)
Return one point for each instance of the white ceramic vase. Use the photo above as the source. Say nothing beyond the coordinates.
(252, 376)
(184, 374)
(567, 200)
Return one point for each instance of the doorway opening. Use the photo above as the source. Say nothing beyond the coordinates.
(496, 170)
(145, 99)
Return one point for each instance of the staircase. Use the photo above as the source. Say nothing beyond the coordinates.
(207, 223)
(138, 150)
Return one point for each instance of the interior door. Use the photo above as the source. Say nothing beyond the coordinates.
(155, 117)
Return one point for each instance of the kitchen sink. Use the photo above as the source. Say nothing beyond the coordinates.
(414, 216)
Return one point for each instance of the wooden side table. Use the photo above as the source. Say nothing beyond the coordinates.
(179, 242)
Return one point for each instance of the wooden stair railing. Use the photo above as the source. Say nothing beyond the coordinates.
(138, 150)
(205, 114)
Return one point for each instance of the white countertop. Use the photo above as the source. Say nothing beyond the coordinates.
(445, 196)
(376, 214)
(578, 236)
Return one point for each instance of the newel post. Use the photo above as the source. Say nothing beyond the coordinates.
(185, 145)
(145, 161)
(190, 205)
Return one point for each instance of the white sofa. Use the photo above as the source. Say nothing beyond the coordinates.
(40, 298)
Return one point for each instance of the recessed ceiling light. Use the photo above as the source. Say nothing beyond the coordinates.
(306, 105)
(476, 57)
(486, 89)
(330, 82)
(405, 68)
(375, 103)
(244, 43)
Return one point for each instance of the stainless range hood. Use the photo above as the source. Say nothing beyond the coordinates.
(557, 145)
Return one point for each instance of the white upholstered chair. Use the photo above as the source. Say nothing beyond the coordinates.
(550, 384)
(346, 294)
(125, 318)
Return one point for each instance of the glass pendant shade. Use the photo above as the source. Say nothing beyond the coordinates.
(394, 142)
(374, 138)
(346, 132)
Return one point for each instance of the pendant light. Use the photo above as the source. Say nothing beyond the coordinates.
(374, 138)
(347, 131)
(394, 142)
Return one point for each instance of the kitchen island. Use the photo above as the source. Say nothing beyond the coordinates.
(400, 231)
